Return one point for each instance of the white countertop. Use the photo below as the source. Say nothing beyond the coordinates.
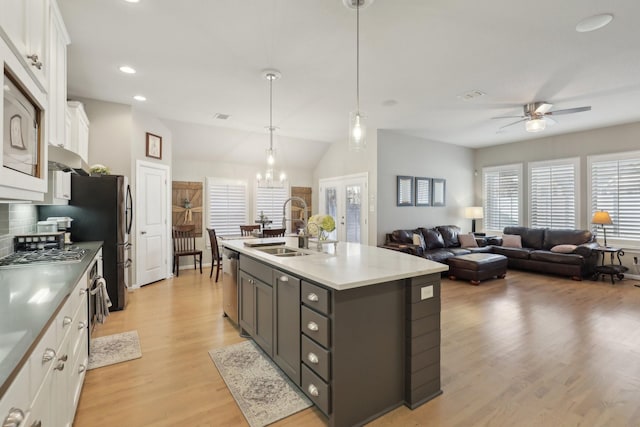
(351, 265)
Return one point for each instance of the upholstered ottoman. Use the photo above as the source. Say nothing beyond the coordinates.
(477, 266)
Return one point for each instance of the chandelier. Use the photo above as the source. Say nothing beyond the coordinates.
(271, 177)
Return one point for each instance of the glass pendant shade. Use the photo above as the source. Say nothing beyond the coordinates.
(271, 156)
(357, 131)
(535, 125)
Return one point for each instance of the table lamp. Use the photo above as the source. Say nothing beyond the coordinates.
(473, 213)
(602, 218)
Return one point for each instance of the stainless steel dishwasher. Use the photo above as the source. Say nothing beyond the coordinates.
(230, 284)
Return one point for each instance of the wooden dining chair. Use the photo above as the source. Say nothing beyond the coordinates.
(216, 257)
(273, 232)
(246, 230)
(184, 244)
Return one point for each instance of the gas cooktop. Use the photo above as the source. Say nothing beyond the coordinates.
(44, 256)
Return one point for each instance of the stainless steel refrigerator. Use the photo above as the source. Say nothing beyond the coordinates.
(102, 209)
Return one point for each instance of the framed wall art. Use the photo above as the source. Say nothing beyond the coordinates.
(423, 191)
(405, 190)
(438, 189)
(154, 146)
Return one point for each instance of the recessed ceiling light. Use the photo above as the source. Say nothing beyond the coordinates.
(593, 23)
(132, 1)
(140, 98)
(127, 70)
(390, 103)
(475, 93)
(221, 116)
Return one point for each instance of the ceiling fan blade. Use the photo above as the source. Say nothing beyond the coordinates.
(569, 111)
(514, 123)
(509, 117)
(543, 108)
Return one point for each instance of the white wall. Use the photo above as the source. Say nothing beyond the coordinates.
(400, 154)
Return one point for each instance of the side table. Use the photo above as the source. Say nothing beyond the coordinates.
(611, 269)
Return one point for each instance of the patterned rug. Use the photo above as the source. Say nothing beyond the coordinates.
(263, 392)
(112, 349)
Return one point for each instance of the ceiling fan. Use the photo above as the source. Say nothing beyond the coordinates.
(536, 116)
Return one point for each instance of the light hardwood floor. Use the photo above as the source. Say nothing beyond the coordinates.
(529, 350)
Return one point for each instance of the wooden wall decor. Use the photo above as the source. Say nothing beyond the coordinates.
(296, 208)
(186, 204)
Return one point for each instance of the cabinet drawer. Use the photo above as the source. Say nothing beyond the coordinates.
(43, 357)
(64, 321)
(76, 377)
(78, 333)
(317, 390)
(256, 269)
(317, 358)
(316, 297)
(78, 295)
(316, 326)
(17, 396)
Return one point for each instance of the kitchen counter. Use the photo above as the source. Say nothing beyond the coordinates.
(30, 296)
(348, 265)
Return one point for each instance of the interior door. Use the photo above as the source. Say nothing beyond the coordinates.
(345, 198)
(152, 235)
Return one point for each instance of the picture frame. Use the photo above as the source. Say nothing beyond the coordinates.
(154, 146)
(438, 192)
(423, 191)
(404, 185)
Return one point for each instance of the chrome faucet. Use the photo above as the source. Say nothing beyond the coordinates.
(304, 212)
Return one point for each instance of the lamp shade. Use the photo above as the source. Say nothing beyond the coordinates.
(601, 217)
(473, 212)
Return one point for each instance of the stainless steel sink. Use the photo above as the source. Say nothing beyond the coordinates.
(282, 251)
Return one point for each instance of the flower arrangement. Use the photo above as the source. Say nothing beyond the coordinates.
(99, 169)
(320, 226)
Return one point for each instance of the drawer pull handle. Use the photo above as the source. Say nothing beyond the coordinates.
(311, 357)
(312, 326)
(37, 424)
(66, 321)
(14, 419)
(64, 358)
(59, 366)
(284, 279)
(82, 368)
(313, 390)
(312, 297)
(34, 61)
(81, 325)
(83, 290)
(48, 355)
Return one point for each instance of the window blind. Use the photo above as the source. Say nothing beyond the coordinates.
(552, 194)
(270, 201)
(615, 188)
(501, 188)
(227, 206)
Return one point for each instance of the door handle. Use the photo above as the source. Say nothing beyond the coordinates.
(143, 232)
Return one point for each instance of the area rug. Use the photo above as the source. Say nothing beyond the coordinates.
(112, 349)
(263, 392)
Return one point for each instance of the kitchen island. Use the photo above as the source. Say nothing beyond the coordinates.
(356, 327)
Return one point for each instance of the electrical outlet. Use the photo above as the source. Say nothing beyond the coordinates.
(426, 292)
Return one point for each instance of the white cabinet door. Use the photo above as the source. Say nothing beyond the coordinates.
(58, 41)
(13, 19)
(62, 185)
(78, 130)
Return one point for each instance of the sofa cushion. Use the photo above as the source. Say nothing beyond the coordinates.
(561, 237)
(402, 236)
(521, 253)
(511, 241)
(459, 251)
(438, 255)
(432, 238)
(563, 249)
(531, 237)
(449, 234)
(548, 256)
(467, 240)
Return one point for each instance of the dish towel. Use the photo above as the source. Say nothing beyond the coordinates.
(102, 299)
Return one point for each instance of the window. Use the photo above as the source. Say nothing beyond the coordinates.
(269, 200)
(227, 205)
(615, 188)
(501, 191)
(553, 193)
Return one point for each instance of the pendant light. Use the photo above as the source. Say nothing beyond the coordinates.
(357, 127)
(269, 179)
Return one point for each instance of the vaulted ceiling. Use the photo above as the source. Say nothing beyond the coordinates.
(196, 58)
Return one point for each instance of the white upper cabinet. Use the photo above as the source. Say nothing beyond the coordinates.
(58, 41)
(26, 24)
(78, 131)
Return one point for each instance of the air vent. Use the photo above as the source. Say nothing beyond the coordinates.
(472, 94)
(221, 116)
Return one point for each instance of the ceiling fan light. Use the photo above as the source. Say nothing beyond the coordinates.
(535, 125)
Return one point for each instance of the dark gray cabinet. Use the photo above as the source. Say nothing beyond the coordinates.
(246, 310)
(256, 302)
(286, 308)
(263, 330)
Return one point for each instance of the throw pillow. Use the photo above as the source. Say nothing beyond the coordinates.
(563, 249)
(418, 240)
(511, 240)
(467, 240)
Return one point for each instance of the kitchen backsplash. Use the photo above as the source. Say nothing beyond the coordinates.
(15, 219)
